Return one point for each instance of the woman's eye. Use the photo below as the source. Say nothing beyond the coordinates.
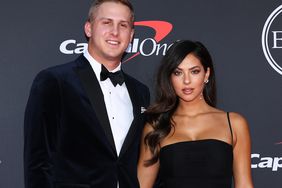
(195, 71)
(177, 73)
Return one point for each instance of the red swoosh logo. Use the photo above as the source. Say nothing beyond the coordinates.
(162, 29)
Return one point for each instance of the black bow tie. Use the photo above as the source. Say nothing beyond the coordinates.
(115, 77)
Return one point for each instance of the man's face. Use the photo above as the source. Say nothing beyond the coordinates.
(110, 32)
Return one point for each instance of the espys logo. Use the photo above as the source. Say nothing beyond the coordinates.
(272, 39)
(137, 47)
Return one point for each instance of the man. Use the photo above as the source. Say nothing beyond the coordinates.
(83, 126)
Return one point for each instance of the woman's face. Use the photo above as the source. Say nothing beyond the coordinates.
(189, 78)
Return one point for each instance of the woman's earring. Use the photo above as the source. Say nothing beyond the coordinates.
(206, 81)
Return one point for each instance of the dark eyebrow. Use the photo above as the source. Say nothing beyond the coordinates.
(194, 67)
(189, 68)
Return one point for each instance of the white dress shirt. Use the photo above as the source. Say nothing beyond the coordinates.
(117, 101)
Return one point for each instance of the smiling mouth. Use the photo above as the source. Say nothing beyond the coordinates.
(112, 42)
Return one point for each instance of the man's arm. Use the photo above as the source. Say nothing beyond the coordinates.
(41, 116)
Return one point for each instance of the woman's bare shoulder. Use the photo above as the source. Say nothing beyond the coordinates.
(237, 119)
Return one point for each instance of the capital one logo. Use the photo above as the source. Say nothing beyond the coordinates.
(273, 163)
(145, 47)
(272, 39)
(266, 162)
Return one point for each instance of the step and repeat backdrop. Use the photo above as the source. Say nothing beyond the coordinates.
(244, 38)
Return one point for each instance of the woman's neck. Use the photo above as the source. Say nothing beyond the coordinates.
(192, 108)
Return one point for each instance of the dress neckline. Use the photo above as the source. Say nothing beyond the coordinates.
(195, 141)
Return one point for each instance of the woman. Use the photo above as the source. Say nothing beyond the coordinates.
(186, 140)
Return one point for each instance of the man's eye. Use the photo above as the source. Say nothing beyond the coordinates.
(124, 25)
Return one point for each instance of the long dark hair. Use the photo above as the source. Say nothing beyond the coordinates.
(159, 114)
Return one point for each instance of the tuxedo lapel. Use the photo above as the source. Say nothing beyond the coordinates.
(95, 95)
(135, 100)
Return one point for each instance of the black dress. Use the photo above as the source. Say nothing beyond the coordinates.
(196, 164)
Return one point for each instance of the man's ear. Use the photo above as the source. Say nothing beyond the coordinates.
(87, 29)
(131, 35)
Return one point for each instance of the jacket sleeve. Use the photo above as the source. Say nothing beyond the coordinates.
(145, 93)
(40, 122)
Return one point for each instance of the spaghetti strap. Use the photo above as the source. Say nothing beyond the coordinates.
(230, 127)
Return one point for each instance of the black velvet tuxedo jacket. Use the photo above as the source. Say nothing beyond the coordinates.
(68, 139)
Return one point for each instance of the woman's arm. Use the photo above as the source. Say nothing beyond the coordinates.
(146, 174)
(241, 152)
